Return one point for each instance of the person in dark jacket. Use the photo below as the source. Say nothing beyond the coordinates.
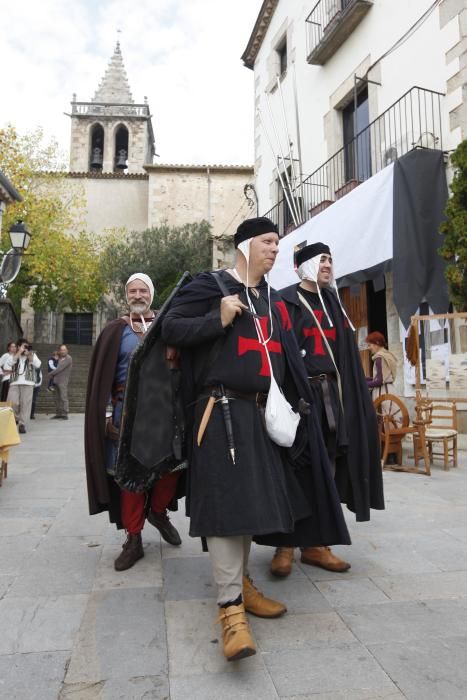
(235, 334)
(104, 403)
(330, 355)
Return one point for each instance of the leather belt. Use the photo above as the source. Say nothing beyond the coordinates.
(323, 379)
(259, 397)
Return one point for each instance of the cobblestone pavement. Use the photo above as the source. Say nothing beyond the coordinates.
(71, 627)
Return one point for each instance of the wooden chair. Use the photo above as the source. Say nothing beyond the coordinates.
(394, 426)
(443, 429)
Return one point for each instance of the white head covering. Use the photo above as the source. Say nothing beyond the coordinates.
(143, 278)
(308, 270)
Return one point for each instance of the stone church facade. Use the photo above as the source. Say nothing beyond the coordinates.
(112, 153)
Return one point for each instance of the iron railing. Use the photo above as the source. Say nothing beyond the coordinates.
(414, 121)
(322, 18)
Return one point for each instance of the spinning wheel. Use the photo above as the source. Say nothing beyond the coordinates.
(394, 409)
(394, 425)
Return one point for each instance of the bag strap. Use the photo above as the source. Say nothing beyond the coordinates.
(325, 340)
(216, 348)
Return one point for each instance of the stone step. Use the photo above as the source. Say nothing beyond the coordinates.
(81, 355)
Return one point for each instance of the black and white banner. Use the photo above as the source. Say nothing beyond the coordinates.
(390, 221)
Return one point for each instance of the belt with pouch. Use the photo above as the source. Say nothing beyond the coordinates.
(323, 379)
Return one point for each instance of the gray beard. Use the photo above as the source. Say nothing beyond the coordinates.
(139, 308)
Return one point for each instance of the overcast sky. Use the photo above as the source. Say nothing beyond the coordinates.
(185, 56)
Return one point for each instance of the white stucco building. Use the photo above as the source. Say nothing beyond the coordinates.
(383, 48)
(343, 89)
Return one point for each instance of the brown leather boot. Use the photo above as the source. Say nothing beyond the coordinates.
(257, 604)
(282, 561)
(323, 557)
(238, 643)
(132, 550)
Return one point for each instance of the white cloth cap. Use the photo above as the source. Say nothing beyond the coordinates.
(143, 278)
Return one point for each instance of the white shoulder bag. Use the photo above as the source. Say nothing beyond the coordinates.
(281, 420)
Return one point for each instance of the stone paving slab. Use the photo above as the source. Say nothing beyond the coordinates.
(39, 624)
(408, 621)
(387, 694)
(33, 676)
(428, 669)
(148, 573)
(301, 630)
(73, 628)
(14, 551)
(241, 685)
(325, 668)
(122, 635)
(59, 566)
(194, 641)
(424, 587)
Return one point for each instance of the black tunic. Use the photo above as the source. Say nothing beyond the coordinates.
(259, 494)
(357, 451)
(318, 362)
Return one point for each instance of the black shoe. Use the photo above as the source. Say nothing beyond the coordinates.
(132, 550)
(64, 417)
(55, 417)
(168, 532)
(32, 418)
(21, 428)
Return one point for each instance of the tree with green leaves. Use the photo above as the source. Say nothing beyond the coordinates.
(163, 253)
(454, 248)
(61, 267)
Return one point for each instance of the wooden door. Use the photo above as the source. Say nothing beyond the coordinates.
(355, 301)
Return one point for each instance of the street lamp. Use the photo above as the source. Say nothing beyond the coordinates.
(19, 237)
(11, 261)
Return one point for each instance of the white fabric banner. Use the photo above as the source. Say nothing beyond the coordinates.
(357, 228)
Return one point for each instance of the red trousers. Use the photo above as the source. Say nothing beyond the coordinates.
(133, 504)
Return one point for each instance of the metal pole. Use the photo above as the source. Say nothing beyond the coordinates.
(294, 211)
(286, 127)
(284, 188)
(299, 141)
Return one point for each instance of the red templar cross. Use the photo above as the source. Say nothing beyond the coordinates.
(247, 344)
(315, 333)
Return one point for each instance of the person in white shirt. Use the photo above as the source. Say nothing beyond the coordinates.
(23, 367)
(4, 373)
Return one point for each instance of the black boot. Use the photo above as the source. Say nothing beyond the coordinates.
(132, 551)
(168, 532)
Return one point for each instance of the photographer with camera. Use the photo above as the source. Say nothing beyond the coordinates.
(23, 365)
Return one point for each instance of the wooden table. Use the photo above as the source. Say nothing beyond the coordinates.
(8, 438)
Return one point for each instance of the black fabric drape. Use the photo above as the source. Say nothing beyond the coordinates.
(420, 197)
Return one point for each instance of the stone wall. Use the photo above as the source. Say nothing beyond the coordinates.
(453, 23)
(185, 194)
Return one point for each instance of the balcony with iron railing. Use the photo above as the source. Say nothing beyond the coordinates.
(414, 121)
(329, 24)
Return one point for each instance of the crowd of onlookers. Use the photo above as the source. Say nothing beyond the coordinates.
(21, 380)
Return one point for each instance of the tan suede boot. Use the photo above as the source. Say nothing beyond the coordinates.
(238, 643)
(324, 558)
(257, 604)
(282, 561)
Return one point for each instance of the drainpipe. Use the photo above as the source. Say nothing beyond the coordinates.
(208, 174)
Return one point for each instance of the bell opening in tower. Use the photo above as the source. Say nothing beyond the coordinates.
(121, 149)
(96, 156)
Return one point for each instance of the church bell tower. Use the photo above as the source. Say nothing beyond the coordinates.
(111, 133)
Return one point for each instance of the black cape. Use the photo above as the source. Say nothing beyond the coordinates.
(152, 429)
(327, 524)
(359, 477)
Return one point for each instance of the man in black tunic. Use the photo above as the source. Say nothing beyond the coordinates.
(240, 484)
(330, 354)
